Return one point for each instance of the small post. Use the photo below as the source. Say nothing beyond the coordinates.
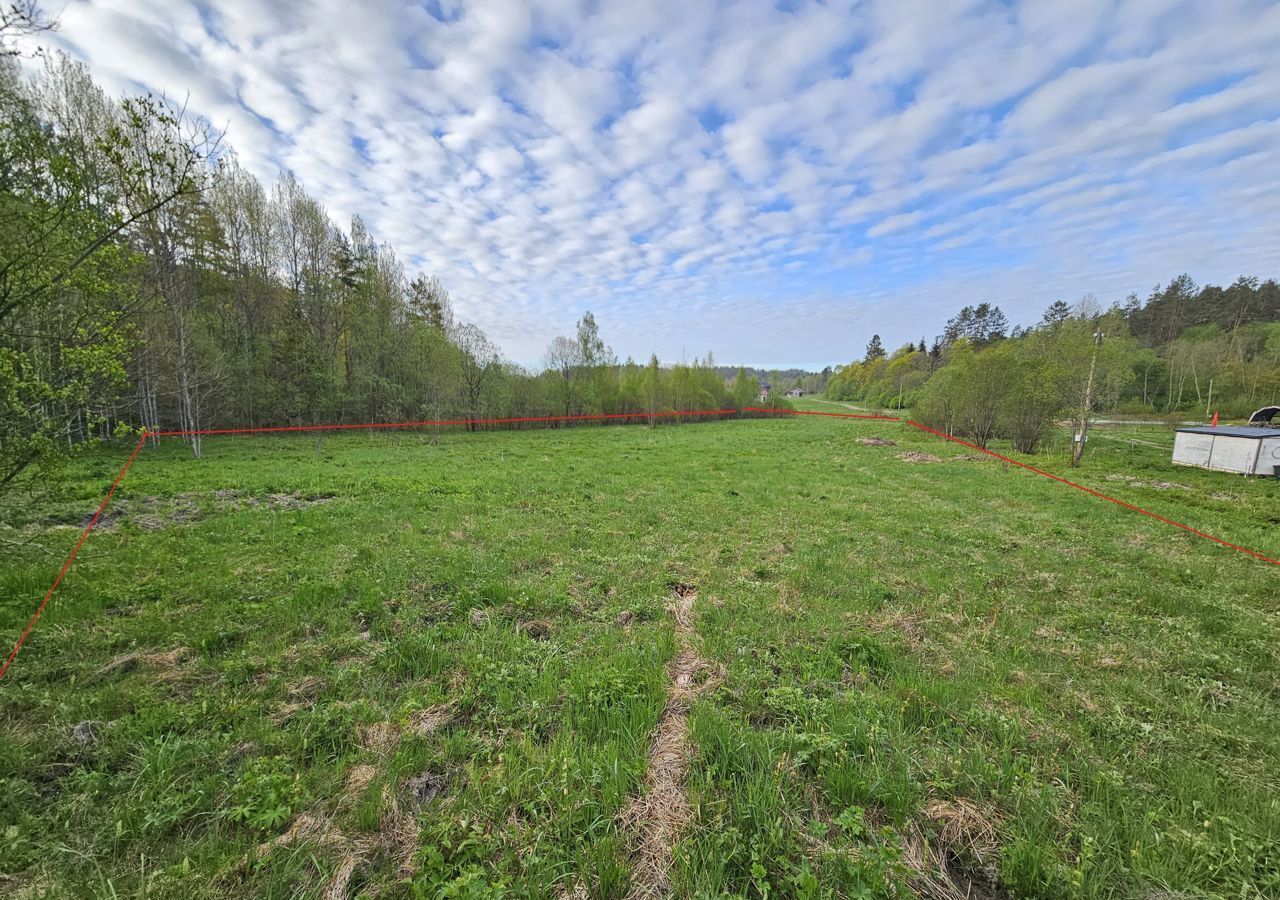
(1077, 451)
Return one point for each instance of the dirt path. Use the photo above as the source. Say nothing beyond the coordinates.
(657, 817)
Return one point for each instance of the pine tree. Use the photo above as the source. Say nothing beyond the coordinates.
(429, 301)
(1058, 312)
(875, 349)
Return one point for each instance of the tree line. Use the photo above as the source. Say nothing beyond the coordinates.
(147, 280)
(1186, 350)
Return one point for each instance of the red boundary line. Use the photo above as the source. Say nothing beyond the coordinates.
(1099, 494)
(442, 422)
(84, 536)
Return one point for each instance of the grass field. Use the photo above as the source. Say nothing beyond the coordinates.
(744, 658)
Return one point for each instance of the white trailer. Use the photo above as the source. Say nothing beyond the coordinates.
(1229, 448)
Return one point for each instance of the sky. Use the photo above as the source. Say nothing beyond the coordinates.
(772, 182)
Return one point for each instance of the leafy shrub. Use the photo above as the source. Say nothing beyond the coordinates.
(265, 794)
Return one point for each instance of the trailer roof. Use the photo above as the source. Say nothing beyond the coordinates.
(1243, 431)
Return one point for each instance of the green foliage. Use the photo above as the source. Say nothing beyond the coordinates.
(64, 335)
(967, 396)
(265, 794)
(745, 390)
(1171, 311)
(453, 863)
(1189, 349)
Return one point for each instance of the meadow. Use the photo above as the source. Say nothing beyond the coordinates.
(774, 658)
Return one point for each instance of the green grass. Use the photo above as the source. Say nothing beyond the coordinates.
(1044, 694)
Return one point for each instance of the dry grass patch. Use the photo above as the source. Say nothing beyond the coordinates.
(380, 737)
(957, 860)
(658, 817)
(430, 720)
(662, 812)
(917, 456)
(909, 625)
(166, 664)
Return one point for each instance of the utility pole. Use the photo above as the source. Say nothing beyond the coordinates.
(1209, 403)
(1077, 450)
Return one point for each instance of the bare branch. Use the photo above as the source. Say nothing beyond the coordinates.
(21, 19)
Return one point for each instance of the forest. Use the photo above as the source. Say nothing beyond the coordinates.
(1186, 352)
(147, 280)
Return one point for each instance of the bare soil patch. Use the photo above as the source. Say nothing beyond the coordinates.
(538, 629)
(425, 787)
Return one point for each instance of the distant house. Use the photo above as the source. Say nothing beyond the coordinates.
(764, 390)
(796, 392)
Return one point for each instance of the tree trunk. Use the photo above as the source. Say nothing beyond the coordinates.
(188, 396)
(1077, 449)
(148, 412)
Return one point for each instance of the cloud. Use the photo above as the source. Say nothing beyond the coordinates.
(894, 223)
(773, 182)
